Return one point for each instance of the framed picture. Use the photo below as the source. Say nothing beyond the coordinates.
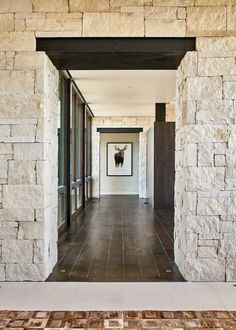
(119, 158)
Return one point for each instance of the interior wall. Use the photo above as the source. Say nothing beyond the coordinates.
(119, 185)
(150, 166)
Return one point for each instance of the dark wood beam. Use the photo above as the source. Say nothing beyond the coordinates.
(160, 112)
(119, 130)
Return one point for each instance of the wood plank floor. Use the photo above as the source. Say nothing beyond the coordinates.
(118, 238)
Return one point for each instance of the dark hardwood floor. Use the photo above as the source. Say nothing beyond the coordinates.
(118, 238)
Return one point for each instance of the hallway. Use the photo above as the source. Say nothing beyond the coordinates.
(117, 238)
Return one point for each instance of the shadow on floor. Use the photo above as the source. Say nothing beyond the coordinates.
(118, 238)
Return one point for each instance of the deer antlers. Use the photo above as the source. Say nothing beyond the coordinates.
(117, 148)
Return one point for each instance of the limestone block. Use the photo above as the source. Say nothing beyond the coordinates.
(184, 3)
(215, 44)
(17, 41)
(209, 242)
(228, 246)
(204, 88)
(2, 273)
(20, 106)
(23, 131)
(116, 3)
(219, 160)
(207, 133)
(50, 6)
(227, 227)
(113, 24)
(29, 151)
(31, 230)
(229, 90)
(40, 171)
(8, 233)
(205, 269)
(25, 272)
(15, 6)
(216, 206)
(189, 203)
(231, 19)
(220, 148)
(165, 28)
(3, 172)
(2, 60)
(23, 196)
(29, 60)
(53, 24)
(22, 172)
(20, 81)
(19, 25)
(160, 12)
(202, 224)
(207, 252)
(216, 66)
(15, 214)
(181, 13)
(57, 34)
(213, 3)
(39, 256)
(4, 130)
(231, 269)
(191, 245)
(205, 154)
(6, 149)
(215, 112)
(190, 154)
(17, 251)
(132, 10)
(204, 178)
(189, 109)
(230, 184)
(6, 22)
(206, 21)
(89, 6)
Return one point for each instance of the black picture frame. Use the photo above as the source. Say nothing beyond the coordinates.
(131, 159)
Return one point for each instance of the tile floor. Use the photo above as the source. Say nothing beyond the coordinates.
(84, 296)
(118, 320)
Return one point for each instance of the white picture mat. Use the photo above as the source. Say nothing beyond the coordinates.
(126, 169)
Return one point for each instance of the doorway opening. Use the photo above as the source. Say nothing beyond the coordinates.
(124, 226)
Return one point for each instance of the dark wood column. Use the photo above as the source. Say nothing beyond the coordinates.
(164, 160)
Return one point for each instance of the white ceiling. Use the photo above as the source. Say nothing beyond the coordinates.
(125, 92)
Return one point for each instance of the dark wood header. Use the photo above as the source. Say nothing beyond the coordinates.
(120, 130)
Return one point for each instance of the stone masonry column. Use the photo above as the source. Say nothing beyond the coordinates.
(28, 166)
(205, 187)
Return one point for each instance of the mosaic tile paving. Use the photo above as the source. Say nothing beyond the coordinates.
(132, 320)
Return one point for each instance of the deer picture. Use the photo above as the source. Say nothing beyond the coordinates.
(119, 156)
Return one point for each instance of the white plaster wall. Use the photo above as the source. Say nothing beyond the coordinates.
(150, 166)
(141, 122)
(128, 185)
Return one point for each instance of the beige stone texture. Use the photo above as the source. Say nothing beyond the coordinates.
(17, 251)
(173, 3)
(113, 25)
(231, 269)
(12, 196)
(204, 88)
(15, 6)
(204, 179)
(215, 112)
(132, 10)
(19, 25)
(21, 172)
(229, 90)
(50, 6)
(28, 151)
(4, 130)
(6, 22)
(31, 230)
(205, 269)
(216, 45)
(15, 214)
(89, 6)
(216, 66)
(2, 273)
(53, 24)
(165, 28)
(220, 160)
(160, 12)
(20, 81)
(6, 149)
(202, 224)
(231, 19)
(27, 131)
(2, 60)
(207, 252)
(213, 3)
(17, 41)
(181, 13)
(207, 21)
(19, 272)
(117, 3)
(29, 60)
(39, 251)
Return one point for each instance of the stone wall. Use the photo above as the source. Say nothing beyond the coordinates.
(205, 133)
(28, 158)
(205, 187)
(141, 122)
